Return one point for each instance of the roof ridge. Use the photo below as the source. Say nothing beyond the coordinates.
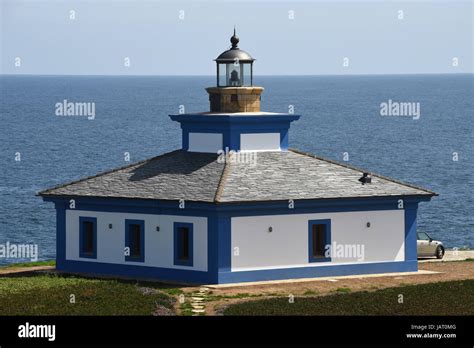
(362, 170)
(45, 192)
(223, 178)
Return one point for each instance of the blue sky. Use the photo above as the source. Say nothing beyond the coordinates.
(158, 42)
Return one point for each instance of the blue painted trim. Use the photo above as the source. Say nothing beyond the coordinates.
(327, 239)
(82, 253)
(318, 271)
(141, 223)
(184, 139)
(232, 127)
(284, 139)
(60, 234)
(231, 137)
(177, 243)
(143, 206)
(224, 258)
(212, 246)
(198, 277)
(411, 253)
(231, 118)
(137, 271)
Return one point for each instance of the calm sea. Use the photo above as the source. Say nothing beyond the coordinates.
(340, 114)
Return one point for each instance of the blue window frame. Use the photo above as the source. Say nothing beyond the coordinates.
(88, 237)
(135, 240)
(183, 244)
(319, 235)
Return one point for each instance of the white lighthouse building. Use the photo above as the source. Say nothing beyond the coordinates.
(235, 203)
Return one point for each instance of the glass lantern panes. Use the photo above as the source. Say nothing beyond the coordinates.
(235, 75)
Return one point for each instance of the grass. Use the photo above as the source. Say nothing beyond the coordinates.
(173, 291)
(446, 298)
(235, 296)
(51, 294)
(343, 290)
(30, 264)
(186, 309)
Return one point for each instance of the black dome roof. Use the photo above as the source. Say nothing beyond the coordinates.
(234, 53)
(229, 56)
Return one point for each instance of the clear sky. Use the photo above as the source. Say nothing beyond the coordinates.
(428, 39)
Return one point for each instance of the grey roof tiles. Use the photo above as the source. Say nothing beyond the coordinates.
(200, 177)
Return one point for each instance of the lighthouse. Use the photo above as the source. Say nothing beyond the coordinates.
(234, 120)
(185, 216)
(234, 90)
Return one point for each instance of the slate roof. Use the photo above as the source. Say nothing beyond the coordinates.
(200, 177)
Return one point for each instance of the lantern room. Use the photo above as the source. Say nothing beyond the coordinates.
(234, 91)
(234, 66)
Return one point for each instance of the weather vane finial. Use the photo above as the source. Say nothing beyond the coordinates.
(234, 40)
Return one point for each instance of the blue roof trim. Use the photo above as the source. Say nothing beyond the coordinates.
(218, 206)
(226, 119)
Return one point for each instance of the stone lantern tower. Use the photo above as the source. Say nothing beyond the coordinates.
(234, 91)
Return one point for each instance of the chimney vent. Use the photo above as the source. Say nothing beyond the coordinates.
(365, 179)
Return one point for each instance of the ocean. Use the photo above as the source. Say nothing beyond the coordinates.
(341, 120)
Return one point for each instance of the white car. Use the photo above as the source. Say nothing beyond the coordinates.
(426, 246)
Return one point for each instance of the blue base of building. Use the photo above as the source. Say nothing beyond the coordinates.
(136, 272)
(318, 271)
(197, 277)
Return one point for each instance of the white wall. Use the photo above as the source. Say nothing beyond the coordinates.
(260, 142)
(205, 142)
(287, 244)
(159, 246)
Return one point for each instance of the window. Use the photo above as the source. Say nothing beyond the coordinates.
(183, 244)
(423, 236)
(135, 240)
(88, 237)
(319, 236)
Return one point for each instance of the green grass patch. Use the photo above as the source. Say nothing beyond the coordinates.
(236, 296)
(343, 290)
(173, 291)
(310, 293)
(51, 295)
(31, 264)
(186, 309)
(446, 298)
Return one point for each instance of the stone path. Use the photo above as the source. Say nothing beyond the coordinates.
(198, 301)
